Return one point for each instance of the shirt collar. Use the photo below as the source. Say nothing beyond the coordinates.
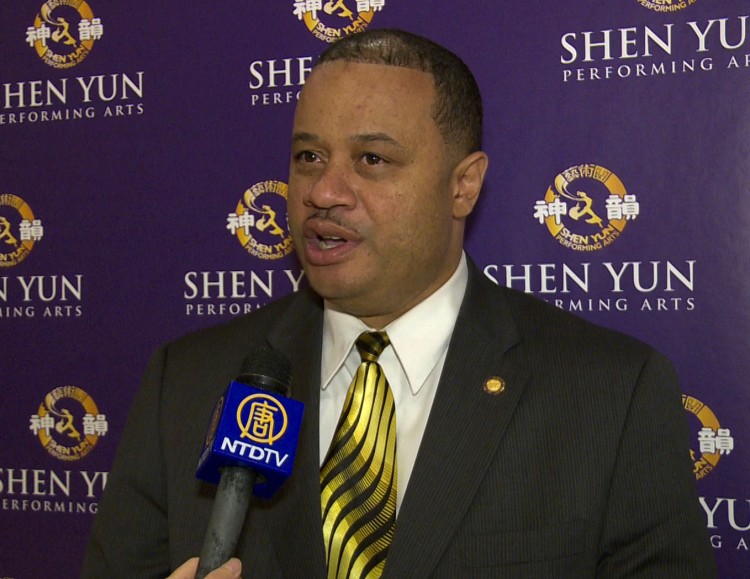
(419, 337)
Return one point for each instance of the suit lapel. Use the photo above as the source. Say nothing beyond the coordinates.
(297, 523)
(463, 431)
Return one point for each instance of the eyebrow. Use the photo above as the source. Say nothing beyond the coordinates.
(377, 138)
(304, 137)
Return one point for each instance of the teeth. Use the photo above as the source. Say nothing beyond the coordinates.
(329, 242)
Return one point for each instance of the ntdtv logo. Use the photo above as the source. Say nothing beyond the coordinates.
(256, 429)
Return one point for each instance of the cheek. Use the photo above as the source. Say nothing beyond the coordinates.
(411, 218)
(410, 227)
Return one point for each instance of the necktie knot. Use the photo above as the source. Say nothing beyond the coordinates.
(371, 344)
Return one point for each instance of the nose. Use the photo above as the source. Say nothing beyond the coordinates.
(330, 187)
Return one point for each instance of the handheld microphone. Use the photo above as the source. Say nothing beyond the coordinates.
(249, 449)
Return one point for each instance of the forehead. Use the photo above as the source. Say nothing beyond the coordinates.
(354, 95)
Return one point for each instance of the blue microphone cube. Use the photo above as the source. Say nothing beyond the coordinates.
(256, 429)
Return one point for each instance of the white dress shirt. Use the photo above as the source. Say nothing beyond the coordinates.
(412, 364)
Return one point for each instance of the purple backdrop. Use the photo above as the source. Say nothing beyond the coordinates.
(143, 161)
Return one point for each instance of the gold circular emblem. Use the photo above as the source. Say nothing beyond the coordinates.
(494, 385)
(334, 20)
(19, 230)
(64, 32)
(265, 420)
(68, 423)
(707, 456)
(260, 222)
(587, 208)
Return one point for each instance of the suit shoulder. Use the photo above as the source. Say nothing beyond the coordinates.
(540, 320)
(557, 346)
(242, 333)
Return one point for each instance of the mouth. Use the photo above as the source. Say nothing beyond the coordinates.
(327, 242)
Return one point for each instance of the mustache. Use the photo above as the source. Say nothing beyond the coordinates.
(323, 216)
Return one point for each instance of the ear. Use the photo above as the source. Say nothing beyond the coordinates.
(466, 180)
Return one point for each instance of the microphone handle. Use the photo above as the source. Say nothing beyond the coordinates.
(227, 517)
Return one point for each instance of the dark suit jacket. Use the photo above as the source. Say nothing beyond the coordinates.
(579, 468)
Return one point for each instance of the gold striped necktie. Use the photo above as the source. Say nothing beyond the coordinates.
(358, 477)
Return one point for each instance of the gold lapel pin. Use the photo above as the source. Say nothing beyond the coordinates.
(494, 385)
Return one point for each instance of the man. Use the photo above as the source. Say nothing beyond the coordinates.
(530, 443)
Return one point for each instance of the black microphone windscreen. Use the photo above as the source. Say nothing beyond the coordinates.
(266, 367)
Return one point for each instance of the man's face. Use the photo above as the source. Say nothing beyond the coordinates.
(371, 200)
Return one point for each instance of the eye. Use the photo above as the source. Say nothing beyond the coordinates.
(372, 159)
(307, 157)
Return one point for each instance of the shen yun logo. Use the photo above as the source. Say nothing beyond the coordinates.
(331, 20)
(259, 221)
(64, 32)
(587, 208)
(19, 230)
(68, 423)
(713, 440)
